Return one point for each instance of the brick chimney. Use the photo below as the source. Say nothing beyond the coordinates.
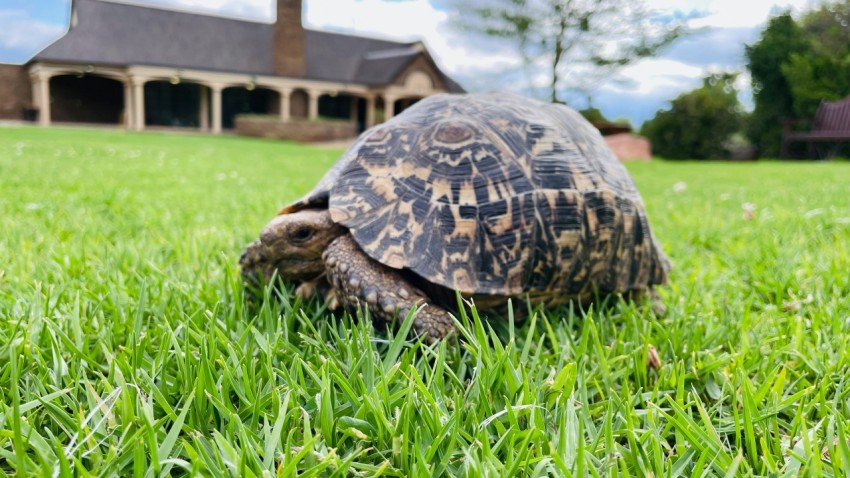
(288, 48)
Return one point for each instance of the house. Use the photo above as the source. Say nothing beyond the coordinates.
(140, 66)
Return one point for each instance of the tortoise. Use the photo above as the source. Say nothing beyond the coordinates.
(492, 195)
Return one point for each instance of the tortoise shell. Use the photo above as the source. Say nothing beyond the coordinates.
(494, 194)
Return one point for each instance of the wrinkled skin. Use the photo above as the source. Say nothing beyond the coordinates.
(291, 245)
(308, 249)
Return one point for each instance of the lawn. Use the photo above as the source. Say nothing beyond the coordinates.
(127, 348)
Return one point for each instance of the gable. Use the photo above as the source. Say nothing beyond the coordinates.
(418, 73)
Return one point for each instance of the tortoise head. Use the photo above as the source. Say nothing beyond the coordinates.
(291, 244)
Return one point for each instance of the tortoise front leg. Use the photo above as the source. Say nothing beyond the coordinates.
(361, 281)
(318, 286)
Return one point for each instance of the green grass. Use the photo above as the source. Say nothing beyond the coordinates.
(126, 347)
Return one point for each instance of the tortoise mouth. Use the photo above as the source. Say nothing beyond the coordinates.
(297, 269)
(252, 256)
(259, 262)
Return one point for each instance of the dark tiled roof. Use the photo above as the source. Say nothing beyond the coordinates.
(336, 57)
(451, 85)
(122, 34)
(380, 69)
(119, 34)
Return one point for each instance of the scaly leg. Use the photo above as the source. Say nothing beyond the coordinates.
(360, 280)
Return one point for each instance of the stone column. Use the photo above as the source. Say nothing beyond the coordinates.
(129, 111)
(284, 103)
(370, 111)
(42, 97)
(139, 102)
(204, 111)
(389, 106)
(313, 110)
(216, 108)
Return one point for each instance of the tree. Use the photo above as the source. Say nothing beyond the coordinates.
(576, 42)
(594, 115)
(794, 66)
(603, 124)
(823, 70)
(828, 28)
(815, 77)
(772, 95)
(699, 123)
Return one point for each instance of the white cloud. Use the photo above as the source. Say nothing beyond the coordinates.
(19, 31)
(730, 13)
(740, 13)
(655, 74)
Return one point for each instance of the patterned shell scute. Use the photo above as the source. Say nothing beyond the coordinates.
(318, 196)
(497, 194)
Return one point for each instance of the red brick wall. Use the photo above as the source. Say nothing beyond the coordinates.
(15, 92)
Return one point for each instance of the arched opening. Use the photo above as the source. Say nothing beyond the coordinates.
(241, 100)
(344, 107)
(380, 110)
(299, 104)
(174, 105)
(360, 105)
(86, 99)
(404, 103)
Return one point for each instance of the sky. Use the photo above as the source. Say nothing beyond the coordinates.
(720, 28)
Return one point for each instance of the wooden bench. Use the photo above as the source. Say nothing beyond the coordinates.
(831, 124)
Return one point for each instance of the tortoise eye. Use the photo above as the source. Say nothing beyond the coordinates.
(302, 234)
